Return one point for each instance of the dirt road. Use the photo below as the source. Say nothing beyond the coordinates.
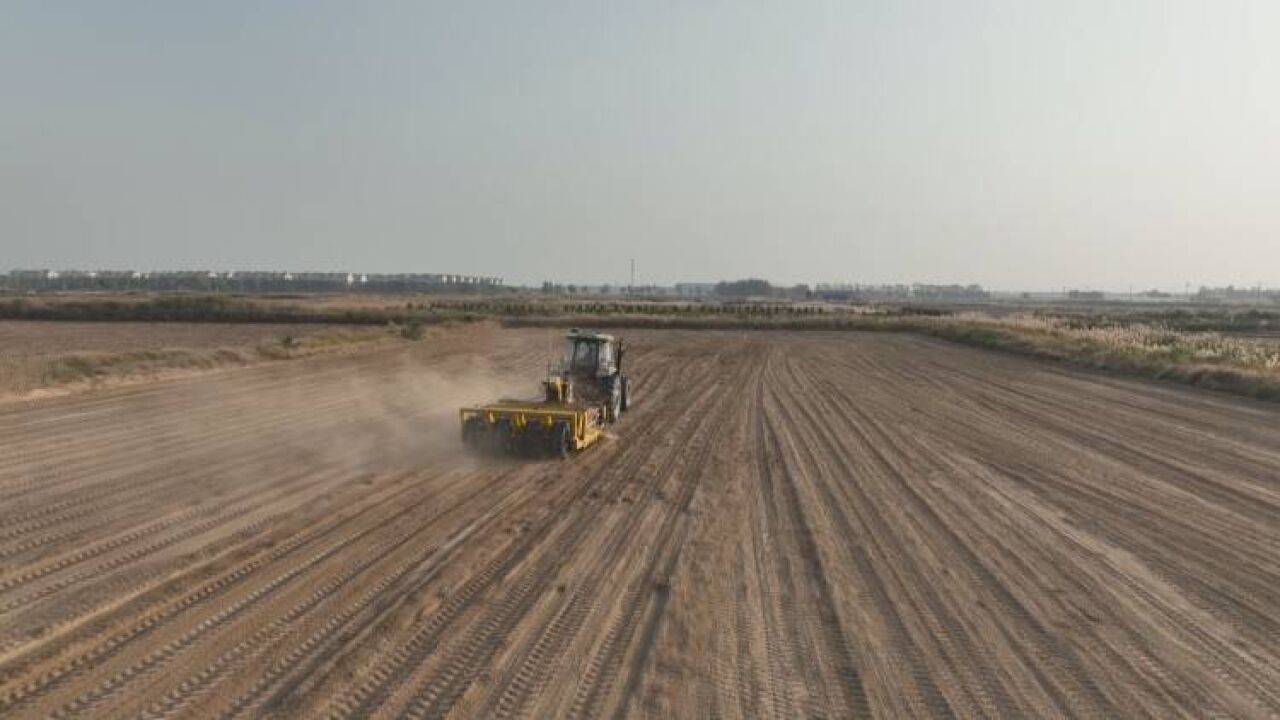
(837, 525)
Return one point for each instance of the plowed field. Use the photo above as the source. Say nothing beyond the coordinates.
(807, 524)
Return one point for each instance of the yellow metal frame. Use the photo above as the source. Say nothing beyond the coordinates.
(523, 413)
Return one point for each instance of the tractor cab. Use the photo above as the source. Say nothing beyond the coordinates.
(591, 372)
(591, 355)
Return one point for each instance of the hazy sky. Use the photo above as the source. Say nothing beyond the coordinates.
(1018, 144)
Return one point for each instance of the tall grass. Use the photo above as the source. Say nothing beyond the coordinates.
(1205, 359)
(1155, 342)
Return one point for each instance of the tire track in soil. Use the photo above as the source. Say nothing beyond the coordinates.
(655, 579)
(184, 608)
(872, 531)
(455, 674)
(779, 489)
(190, 690)
(538, 657)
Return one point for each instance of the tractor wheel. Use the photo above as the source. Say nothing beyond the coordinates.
(561, 440)
(613, 410)
(626, 394)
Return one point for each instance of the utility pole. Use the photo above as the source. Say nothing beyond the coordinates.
(631, 288)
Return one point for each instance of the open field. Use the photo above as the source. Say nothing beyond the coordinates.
(788, 524)
(37, 337)
(58, 357)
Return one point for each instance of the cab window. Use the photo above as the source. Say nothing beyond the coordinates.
(582, 356)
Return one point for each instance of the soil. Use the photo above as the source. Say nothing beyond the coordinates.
(785, 524)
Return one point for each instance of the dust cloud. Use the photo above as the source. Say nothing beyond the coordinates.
(394, 413)
(410, 415)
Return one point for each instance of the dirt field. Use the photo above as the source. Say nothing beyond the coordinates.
(35, 337)
(839, 525)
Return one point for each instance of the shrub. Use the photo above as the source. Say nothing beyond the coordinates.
(412, 330)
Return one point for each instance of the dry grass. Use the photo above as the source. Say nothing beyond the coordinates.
(23, 374)
(55, 337)
(1206, 359)
(1151, 342)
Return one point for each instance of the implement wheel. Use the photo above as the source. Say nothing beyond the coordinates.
(533, 441)
(561, 444)
(473, 433)
(504, 437)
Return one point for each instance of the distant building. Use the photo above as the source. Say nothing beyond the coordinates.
(1239, 295)
(243, 281)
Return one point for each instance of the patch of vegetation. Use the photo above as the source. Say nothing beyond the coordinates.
(20, 374)
(195, 309)
(412, 330)
(755, 287)
(1204, 359)
(1206, 347)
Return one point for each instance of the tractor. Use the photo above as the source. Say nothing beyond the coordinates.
(585, 392)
